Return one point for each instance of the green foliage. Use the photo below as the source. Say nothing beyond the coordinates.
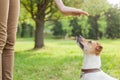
(76, 28)
(60, 60)
(24, 15)
(75, 3)
(25, 30)
(95, 26)
(57, 29)
(96, 7)
(36, 8)
(113, 23)
(94, 32)
(102, 25)
(66, 27)
(83, 22)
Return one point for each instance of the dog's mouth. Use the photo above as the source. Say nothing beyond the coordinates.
(79, 41)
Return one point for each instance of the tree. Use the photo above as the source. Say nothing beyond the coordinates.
(24, 20)
(96, 9)
(38, 9)
(113, 23)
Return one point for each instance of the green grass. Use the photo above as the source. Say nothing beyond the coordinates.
(60, 60)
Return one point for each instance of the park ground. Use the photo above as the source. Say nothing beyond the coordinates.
(60, 59)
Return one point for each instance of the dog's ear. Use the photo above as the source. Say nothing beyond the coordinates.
(98, 49)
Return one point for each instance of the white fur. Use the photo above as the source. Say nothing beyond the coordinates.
(92, 61)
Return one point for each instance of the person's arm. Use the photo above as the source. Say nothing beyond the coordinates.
(69, 10)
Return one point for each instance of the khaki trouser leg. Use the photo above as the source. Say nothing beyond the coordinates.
(4, 8)
(8, 52)
(0, 68)
(8, 49)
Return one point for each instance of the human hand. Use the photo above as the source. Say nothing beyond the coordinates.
(73, 11)
(70, 10)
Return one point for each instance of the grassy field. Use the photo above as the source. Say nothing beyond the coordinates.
(60, 60)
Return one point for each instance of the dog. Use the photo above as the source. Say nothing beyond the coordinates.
(92, 62)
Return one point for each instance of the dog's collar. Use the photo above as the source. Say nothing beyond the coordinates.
(90, 70)
(85, 71)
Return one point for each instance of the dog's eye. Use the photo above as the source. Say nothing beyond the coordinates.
(89, 41)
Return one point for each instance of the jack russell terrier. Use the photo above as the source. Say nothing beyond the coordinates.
(92, 63)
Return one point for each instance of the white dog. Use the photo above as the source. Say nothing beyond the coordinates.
(92, 62)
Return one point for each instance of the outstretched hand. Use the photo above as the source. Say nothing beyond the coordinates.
(70, 10)
(73, 11)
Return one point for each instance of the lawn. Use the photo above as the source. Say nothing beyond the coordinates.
(60, 59)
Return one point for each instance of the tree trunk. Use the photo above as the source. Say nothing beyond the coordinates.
(39, 34)
(40, 16)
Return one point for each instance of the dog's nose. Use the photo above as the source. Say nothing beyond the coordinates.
(79, 41)
(79, 37)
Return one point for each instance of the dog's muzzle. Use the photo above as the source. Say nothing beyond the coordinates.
(79, 40)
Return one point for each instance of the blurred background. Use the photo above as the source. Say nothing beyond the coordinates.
(41, 18)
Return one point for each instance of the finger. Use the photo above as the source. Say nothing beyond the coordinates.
(79, 14)
(85, 13)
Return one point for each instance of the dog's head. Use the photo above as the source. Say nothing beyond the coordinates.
(89, 46)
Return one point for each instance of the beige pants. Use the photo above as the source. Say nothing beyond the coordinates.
(9, 12)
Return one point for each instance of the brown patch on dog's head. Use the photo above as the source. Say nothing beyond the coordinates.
(89, 46)
(98, 49)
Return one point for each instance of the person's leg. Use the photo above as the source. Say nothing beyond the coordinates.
(4, 8)
(8, 51)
